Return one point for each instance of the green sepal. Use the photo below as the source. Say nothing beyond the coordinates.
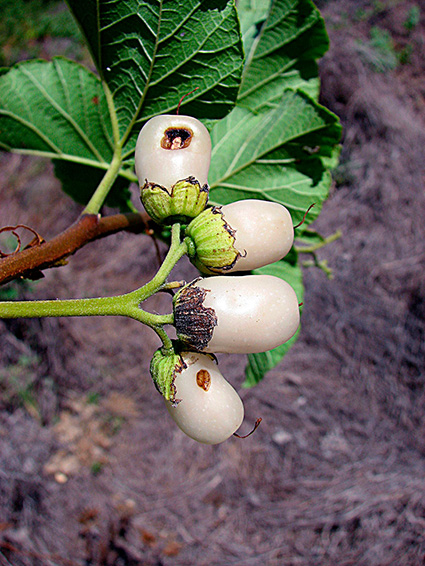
(184, 201)
(163, 369)
(214, 241)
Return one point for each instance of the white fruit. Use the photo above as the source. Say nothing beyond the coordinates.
(255, 313)
(171, 148)
(264, 232)
(210, 410)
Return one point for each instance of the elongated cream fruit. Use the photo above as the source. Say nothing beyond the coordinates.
(209, 409)
(171, 148)
(240, 315)
(264, 232)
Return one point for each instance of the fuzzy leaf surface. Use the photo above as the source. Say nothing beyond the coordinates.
(282, 49)
(278, 143)
(252, 15)
(152, 52)
(58, 109)
(275, 155)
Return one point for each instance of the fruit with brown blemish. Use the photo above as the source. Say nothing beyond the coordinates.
(172, 160)
(171, 148)
(207, 408)
(239, 314)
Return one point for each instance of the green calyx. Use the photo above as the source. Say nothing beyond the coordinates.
(213, 241)
(184, 201)
(163, 368)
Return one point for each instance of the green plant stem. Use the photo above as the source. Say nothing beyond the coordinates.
(112, 113)
(166, 341)
(103, 306)
(177, 250)
(121, 305)
(311, 249)
(100, 194)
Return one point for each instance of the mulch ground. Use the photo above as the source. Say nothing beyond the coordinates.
(93, 472)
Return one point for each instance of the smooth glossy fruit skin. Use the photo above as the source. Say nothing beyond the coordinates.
(240, 236)
(264, 232)
(165, 167)
(210, 410)
(255, 313)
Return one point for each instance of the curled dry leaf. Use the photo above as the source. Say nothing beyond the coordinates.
(36, 241)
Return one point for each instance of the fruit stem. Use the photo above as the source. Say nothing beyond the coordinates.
(177, 250)
(100, 306)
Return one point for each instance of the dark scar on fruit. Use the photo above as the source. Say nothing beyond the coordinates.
(203, 379)
(176, 138)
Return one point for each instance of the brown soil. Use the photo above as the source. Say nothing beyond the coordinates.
(93, 472)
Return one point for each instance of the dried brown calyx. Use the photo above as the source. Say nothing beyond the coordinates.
(194, 322)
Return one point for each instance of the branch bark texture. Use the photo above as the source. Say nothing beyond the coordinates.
(29, 263)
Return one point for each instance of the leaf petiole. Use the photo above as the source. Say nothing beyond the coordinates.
(100, 194)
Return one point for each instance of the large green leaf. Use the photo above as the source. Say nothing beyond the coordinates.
(275, 155)
(58, 109)
(278, 144)
(281, 51)
(259, 364)
(152, 52)
(149, 54)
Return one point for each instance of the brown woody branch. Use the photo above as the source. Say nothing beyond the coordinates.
(29, 262)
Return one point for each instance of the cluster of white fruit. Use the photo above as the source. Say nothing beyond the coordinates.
(221, 313)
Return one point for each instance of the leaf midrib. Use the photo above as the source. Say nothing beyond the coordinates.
(191, 56)
(268, 79)
(171, 107)
(229, 173)
(147, 84)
